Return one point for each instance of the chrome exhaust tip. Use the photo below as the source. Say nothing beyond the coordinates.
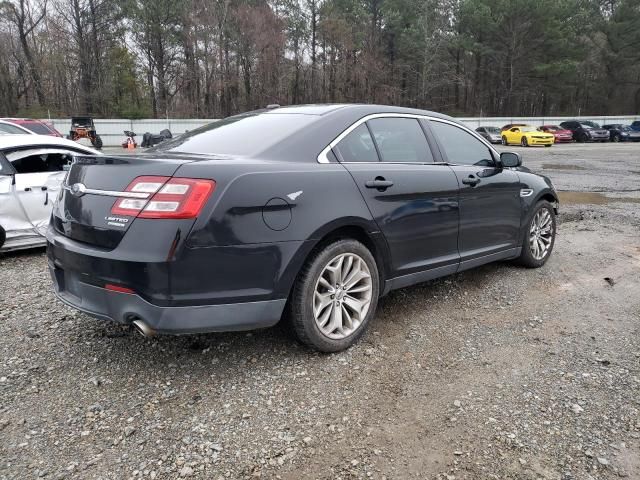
(143, 329)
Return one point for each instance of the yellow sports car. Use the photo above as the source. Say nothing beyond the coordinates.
(526, 135)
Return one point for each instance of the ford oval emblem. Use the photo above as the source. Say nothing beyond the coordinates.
(78, 189)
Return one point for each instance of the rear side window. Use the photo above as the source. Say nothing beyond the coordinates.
(36, 127)
(357, 146)
(400, 140)
(460, 147)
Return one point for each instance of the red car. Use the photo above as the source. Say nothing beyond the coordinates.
(560, 134)
(36, 126)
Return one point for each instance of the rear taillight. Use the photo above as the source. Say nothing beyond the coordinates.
(167, 197)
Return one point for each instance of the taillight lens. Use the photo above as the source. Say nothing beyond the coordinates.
(168, 197)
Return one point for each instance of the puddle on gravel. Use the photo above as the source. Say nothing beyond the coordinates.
(559, 166)
(593, 198)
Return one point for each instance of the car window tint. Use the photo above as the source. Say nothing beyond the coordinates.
(38, 128)
(243, 135)
(400, 140)
(7, 128)
(461, 147)
(357, 146)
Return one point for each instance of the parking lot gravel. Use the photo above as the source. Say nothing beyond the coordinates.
(496, 373)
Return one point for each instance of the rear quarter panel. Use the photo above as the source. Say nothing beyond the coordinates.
(231, 241)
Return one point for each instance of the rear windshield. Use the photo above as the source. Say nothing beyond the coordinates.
(241, 135)
(39, 128)
(590, 124)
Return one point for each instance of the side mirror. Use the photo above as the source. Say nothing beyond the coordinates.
(510, 159)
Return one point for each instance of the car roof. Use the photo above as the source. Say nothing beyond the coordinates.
(9, 119)
(18, 125)
(21, 141)
(355, 108)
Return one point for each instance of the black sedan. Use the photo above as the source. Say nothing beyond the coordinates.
(622, 133)
(310, 213)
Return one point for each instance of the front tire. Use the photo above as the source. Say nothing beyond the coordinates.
(539, 236)
(524, 142)
(335, 296)
(504, 140)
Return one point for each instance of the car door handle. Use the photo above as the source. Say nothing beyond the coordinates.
(471, 180)
(380, 183)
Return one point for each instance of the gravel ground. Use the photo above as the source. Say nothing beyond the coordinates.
(500, 372)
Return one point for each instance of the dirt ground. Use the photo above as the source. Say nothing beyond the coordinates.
(496, 373)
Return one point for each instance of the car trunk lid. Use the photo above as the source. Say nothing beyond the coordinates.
(93, 185)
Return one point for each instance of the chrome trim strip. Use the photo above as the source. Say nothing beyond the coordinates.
(322, 158)
(111, 193)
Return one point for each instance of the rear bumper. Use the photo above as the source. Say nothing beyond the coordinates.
(204, 290)
(126, 307)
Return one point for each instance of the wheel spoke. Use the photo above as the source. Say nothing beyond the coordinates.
(323, 300)
(346, 317)
(326, 284)
(323, 319)
(336, 319)
(335, 271)
(355, 278)
(354, 304)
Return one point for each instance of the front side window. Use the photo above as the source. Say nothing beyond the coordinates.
(357, 146)
(460, 147)
(400, 140)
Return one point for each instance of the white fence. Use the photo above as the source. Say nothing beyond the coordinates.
(112, 130)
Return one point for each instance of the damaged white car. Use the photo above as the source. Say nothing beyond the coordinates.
(32, 168)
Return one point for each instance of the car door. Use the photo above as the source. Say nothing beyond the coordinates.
(413, 200)
(490, 204)
(513, 135)
(39, 175)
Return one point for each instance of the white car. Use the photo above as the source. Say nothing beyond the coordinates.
(32, 168)
(8, 127)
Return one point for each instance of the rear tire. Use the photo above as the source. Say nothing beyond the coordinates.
(343, 274)
(539, 236)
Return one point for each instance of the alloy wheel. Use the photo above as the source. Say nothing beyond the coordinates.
(541, 234)
(342, 296)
